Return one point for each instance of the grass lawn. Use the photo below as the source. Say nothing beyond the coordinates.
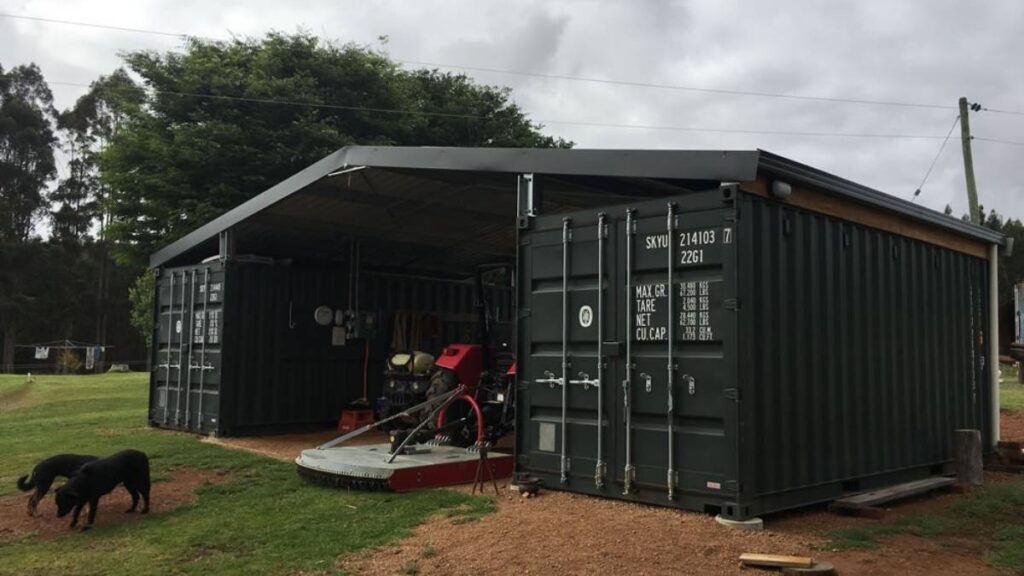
(1011, 392)
(262, 521)
(992, 514)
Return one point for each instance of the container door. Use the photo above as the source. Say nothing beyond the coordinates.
(627, 370)
(186, 375)
(566, 369)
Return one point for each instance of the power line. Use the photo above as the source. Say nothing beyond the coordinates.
(585, 79)
(936, 159)
(91, 25)
(539, 121)
(742, 131)
(997, 111)
(554, 77)
(1011, 142)
(679, 87)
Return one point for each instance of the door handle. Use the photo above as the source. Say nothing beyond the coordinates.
(586, 381)
(550, 379)
(648, 386)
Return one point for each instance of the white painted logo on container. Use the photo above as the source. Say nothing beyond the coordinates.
(586, 316)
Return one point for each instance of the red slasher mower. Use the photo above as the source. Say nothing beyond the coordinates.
(438, 415)
(432, 443)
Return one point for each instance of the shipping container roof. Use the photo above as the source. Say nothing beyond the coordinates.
(455, 208)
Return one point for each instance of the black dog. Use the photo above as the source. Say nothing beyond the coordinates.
(46, 471)
(99, 478)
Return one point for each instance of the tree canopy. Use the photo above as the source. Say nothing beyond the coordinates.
(1011, 267)
(77, 201)
(223, 121)
(26, 149)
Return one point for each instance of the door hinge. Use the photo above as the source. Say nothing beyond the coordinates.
(732, 394)
(524, 312)
(733, 486)
(522, 460)
(731, 304)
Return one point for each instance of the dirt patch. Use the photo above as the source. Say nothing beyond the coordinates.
(287, 447)
(561, 533)
(14, 398)
(912, 555)
(1011, 425)
(164, 496)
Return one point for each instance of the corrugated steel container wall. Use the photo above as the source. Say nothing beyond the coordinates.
(285, 373)
(187, 356)
(863, 351)
(280, 369)
(823, 356)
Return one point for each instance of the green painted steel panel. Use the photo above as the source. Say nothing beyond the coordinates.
(185, 382)
(271, 368)
(862, 352)
(635, 307)
(826, 356)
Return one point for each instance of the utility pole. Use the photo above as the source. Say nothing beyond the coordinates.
(965, 136)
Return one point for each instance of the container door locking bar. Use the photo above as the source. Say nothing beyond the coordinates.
(599, 467)
(627, 383)
(188, 334)
(566, 238)
(671, 479)
(203, 366)
(170, 337)
(181, 352)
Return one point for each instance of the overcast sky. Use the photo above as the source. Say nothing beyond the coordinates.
(928, 51)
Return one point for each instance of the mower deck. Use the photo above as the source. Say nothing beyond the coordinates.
(366, 467)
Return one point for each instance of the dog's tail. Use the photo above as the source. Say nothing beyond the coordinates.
(25, 484)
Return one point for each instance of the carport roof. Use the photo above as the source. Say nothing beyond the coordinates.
(494, 170)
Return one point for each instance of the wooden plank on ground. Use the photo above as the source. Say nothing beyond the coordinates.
(776, 560)
(1007, 468)
(873, 512)
(1011, 452)
(897, 492)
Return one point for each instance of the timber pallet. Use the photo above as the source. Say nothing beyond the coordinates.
(1010, 452)
(1006, 468)
(868, 503)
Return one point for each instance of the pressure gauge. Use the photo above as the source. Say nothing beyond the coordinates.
(323, 315)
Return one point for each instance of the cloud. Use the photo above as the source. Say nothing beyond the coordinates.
(928, 51)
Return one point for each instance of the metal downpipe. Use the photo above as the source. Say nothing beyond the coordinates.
(993, 337)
